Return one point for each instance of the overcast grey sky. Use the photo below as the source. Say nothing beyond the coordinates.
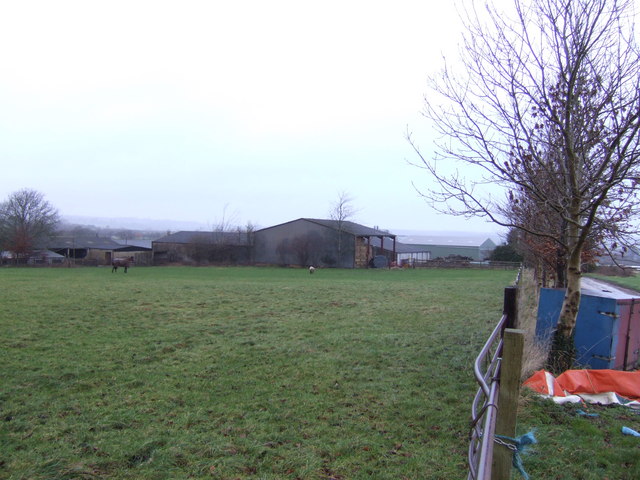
(258, 111)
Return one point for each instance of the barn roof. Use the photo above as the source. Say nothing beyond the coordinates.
(347, 226)
(185, 237)
(73, 242)
(47, 254)
(351, 227)
(460, 240)
(406, 248)
(399, 247)
(132, 248)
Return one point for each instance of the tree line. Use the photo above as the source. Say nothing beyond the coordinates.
(537, 122)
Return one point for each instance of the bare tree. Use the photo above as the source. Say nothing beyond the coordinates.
(250, 232)
(26, 219)
(341, 211)
(226, 222)
(547, 104)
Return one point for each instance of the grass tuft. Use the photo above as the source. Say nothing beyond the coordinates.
(536, 351)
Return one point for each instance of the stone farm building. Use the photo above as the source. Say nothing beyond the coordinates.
(323, 243)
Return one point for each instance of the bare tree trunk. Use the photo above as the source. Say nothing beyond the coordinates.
(341, 211)
(563, 351)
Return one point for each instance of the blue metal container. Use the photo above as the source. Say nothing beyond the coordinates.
(607, 333)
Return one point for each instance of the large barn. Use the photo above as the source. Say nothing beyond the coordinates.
(323, 243)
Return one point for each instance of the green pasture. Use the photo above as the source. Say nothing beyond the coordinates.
(246, 373)
(632, 281)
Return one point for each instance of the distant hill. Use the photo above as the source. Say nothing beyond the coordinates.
(135, 223)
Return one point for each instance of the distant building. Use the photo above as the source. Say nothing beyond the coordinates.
(410, 254)
(45, 257)
(37, 257)
(435, 246)
(631, 259)
(94, 250)
(323, 243)
(312, 241)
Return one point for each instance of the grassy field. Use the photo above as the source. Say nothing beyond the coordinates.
(632, 281)
(249, 373)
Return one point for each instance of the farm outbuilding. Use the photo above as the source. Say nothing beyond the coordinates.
(200, 247)
(91, 250)
(323, 243)
(409, 255)
(37, 257)
(431, 247)
(45, 257)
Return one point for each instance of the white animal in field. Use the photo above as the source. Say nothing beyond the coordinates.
(312, 269)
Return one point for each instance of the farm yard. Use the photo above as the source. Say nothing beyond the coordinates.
(238, 373)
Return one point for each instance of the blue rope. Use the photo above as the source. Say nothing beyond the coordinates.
(585, 414)
(520, 445)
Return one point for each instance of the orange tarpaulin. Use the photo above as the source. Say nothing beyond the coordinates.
(587, 382)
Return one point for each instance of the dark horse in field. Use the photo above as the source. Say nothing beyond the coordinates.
(121, 262)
